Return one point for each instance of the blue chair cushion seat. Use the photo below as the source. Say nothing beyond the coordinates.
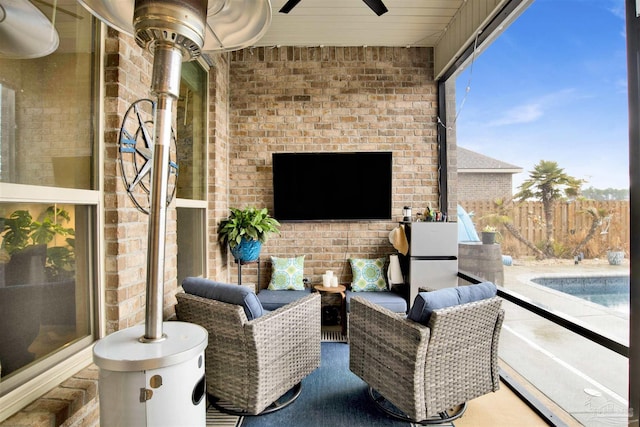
(426, 302)
(274, 299)
(224, 292)
(387, 299)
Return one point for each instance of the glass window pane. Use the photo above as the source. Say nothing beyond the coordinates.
(585, 379)
(47, 139)
(554, 255)
(191, 243)
(191, 132)
(45, 259)
(46, 132)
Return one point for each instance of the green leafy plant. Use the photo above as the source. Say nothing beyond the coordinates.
(20, 230)
(251, 223)
(548, 183)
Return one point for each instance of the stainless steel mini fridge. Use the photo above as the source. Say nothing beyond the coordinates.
(433, 256)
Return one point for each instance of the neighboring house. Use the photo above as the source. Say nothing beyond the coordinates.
(483, 178)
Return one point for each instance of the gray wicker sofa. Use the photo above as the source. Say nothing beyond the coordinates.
(254, 356)
(443, 354)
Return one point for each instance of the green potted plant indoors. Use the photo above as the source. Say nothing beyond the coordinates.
(20, 232)
(245, 230)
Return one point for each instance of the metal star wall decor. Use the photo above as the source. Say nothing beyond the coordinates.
(136, 153)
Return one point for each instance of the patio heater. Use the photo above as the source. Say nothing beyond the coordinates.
(155, 376)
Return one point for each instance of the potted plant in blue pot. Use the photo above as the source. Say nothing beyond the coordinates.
(245, 230)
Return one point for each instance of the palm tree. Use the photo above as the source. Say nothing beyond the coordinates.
(598, 215)
(548, 183)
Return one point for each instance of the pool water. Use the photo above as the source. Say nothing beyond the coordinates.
(609, 291)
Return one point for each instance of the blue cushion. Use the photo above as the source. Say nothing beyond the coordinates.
(273, 300)
(223, 292)
(426, 302)
(387, 299)
(477, 292)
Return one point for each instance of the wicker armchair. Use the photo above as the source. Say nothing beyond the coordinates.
(424, 371)
(252, 365)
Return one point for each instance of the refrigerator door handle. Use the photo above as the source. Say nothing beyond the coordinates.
(433, 258)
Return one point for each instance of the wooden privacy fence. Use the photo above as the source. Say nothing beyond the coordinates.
(571, 224)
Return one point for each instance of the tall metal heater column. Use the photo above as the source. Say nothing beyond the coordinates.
(166, 85)
(168, 29)
(157, 378)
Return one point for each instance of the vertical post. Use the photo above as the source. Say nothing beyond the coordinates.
(633, 76)
(165, 85)
(443, 146)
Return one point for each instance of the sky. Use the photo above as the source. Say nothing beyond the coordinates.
(552, 86)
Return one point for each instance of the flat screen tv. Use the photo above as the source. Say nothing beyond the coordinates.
(332, 186)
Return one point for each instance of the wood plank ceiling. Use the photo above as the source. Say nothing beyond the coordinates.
(446, 25)
(352, 23)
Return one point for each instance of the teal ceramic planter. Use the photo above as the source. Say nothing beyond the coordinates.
(247, 250)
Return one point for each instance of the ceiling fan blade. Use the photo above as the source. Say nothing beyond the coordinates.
(288, 6)
(377, 6)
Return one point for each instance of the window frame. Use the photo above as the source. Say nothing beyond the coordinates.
(60, 366)
(196, 204)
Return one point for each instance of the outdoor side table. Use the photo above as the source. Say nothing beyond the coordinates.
(340, 289)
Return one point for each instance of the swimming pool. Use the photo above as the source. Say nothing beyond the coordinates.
(609, 291)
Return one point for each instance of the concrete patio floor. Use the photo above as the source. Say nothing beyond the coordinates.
(587, 381)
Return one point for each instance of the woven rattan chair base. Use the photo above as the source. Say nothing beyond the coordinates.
(282, 402)
(388, 408)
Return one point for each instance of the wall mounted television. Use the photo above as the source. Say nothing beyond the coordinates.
(342, 186)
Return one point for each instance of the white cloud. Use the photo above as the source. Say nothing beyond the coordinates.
(617, 8)
(532, 111)
(520, 114)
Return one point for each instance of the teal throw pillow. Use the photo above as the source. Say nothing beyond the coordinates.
(368, 274)
(287, 273)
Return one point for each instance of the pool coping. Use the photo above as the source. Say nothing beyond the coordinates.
(576, 299)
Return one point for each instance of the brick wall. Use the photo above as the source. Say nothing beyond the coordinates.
(74, 403)
(484, 186)
(332, 99)
(218, 162)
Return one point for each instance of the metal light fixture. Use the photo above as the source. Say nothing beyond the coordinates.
(230, 24)
(25, 32)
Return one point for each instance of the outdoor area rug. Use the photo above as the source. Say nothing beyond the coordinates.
(216, 418)
(332, 396)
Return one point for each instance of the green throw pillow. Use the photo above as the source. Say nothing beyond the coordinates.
(368, 275)
(287, 273)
